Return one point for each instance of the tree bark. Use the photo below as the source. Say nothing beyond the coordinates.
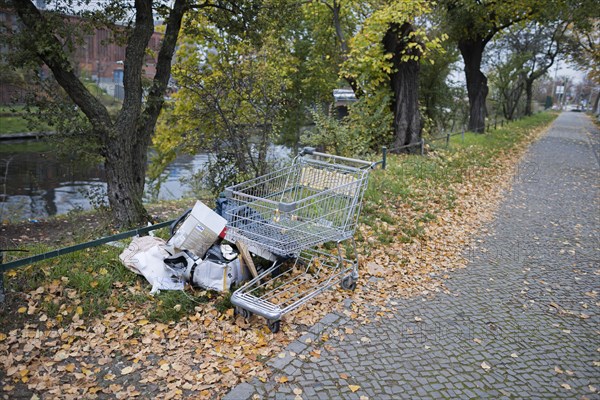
(124, 142)
(404, 84)
(529, 97)
(477, 88)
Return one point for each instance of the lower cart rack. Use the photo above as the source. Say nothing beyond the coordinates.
(284, 287)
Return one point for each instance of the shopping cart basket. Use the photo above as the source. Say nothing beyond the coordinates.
(289, 213)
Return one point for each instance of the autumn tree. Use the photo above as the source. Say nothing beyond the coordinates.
(123, 138)
(535, 46)
(386, 56)
(232, 98)
(472, 25)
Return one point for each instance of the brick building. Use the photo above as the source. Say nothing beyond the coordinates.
(97, 57)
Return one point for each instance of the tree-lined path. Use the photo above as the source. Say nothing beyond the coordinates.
(521, 321)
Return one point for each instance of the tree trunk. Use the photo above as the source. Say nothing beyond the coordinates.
(124, 142)
(404, 84)
(125, 166)
(477, 88)
(595, 109)
(528, 96)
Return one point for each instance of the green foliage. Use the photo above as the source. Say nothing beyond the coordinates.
(334, 136)
(231, 103)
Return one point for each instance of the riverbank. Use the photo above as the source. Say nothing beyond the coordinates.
(5, 137)
(76, 227)
(97, 331)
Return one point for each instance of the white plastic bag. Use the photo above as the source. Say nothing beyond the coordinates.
(145, 256)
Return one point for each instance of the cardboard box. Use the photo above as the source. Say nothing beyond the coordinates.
(200, 230)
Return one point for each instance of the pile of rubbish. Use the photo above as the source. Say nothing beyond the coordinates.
(194, 254)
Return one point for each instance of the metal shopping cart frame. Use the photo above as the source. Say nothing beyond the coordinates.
(288, 214)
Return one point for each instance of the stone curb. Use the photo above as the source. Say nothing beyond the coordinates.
(245, 390)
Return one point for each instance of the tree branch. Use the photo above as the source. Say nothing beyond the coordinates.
(41, 39)
(135, 55)
(156, 94)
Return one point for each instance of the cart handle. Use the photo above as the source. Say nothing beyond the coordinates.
(312, 151)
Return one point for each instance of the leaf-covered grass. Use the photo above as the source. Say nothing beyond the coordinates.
(399, 202)
(413, 189)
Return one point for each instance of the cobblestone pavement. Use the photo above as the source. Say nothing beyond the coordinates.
(521, 321)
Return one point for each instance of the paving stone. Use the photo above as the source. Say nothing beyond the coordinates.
(544, 231)
(242, 391)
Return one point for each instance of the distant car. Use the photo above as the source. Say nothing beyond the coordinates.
(574, 107)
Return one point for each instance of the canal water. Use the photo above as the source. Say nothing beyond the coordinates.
(36, 183)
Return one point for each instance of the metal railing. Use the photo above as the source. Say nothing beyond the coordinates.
(70, 249)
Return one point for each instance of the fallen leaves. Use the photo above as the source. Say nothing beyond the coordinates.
(127, 370)
(354, 388)
(208, 352)
(566, 386)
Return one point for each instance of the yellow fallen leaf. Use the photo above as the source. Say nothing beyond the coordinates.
(70, 368)
(514, 355)
(103, 271)
(283, 379)
(485, 366)
(344, 376)
(354, 388)
(22, 310)
(566, 386)
(558, 370)
(79, 310)
(2, 336)
(127, 370)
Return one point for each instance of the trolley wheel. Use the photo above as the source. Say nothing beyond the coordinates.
(274, 325)
(243, 312)
(348, 283)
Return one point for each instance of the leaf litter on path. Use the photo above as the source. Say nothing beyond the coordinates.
(205, 354)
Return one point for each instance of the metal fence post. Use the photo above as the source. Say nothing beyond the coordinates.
(462, 135)
(447, 139)
(422, 146)
(2, 293)
(384, 151)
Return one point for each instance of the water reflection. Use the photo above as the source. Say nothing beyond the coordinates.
(35, 183)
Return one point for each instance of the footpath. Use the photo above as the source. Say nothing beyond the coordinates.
(521, 321)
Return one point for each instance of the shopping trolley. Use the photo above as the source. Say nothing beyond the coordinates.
(287, 215)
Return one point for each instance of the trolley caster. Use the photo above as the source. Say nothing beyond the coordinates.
(348, 283)
(274, 325)
(243, 312)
